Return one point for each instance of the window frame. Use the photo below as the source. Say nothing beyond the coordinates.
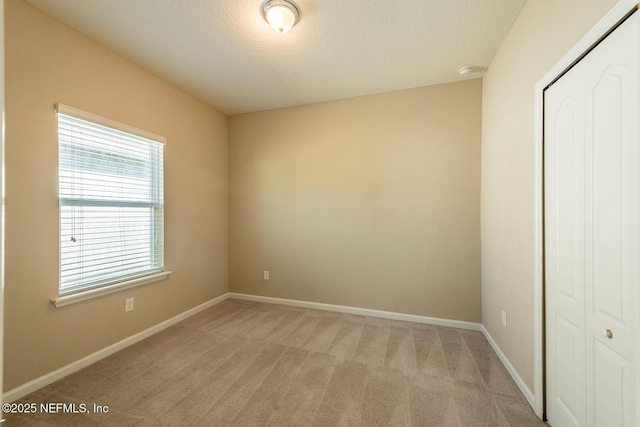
(99, 289)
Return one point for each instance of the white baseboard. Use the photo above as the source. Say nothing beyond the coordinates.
(69, 369)
(361, 311)
(528, 394)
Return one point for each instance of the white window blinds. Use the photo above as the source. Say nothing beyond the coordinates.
(111, 202)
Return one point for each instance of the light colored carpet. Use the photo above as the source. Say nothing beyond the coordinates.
(252, 364)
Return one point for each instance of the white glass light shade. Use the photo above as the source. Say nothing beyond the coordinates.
(280, 18)
(281, 15)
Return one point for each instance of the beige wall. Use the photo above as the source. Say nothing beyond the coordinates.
(368, 202)
(544, 31)
(47, 62)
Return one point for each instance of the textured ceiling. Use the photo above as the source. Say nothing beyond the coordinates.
(222, 51)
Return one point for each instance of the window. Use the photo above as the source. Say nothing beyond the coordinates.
(111, 203)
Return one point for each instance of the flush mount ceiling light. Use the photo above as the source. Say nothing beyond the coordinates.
(280, 14)
(465, 71)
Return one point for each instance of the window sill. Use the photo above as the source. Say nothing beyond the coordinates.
(105, 290)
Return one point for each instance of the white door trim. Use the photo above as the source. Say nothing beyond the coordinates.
(602, 28)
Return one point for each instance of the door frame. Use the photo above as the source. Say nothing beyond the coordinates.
(621, 10)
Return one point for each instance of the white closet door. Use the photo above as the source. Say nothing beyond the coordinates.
(592, 236)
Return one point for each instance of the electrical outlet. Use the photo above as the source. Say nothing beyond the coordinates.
(266, 275)
(504, 318)
(128, 304)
